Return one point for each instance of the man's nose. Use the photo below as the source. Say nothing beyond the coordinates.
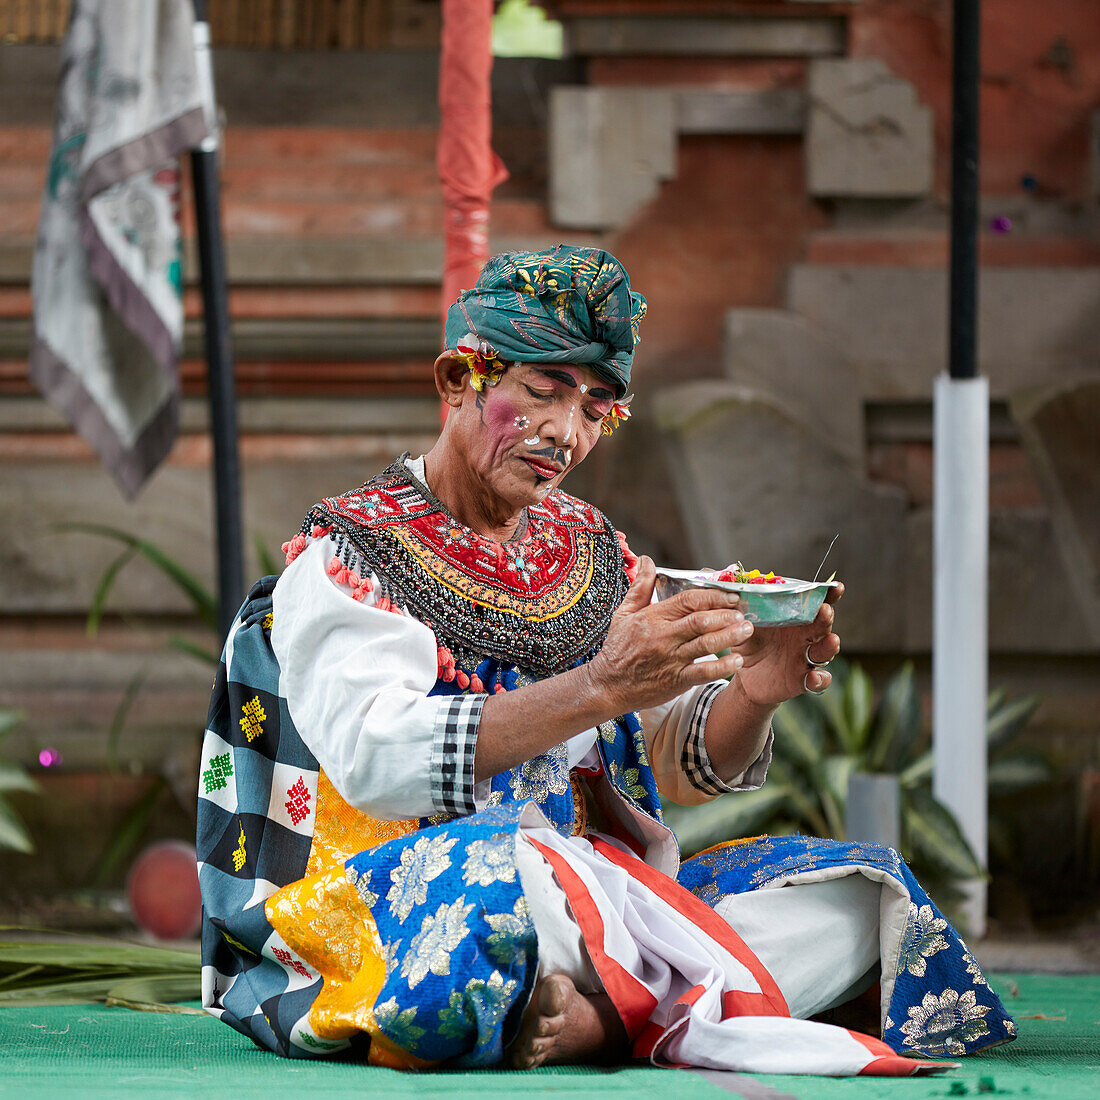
(563, 424)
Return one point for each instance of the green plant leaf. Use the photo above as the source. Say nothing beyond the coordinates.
(128, 833)
(13, 777)
(9, 719)
(13, 833)
(1005, 720)
(1001, 840)
(158, 993)
(118, 720)
(193, 649)
(67, 969)
(72, 950)
(932, 832)
(895, 728)
(802, 800)
(1018, 769)
(202, 599)
(727, 817)
(103, 589)
(799, 732)
(269, 564)
(831, 779)
(859, 694)
(831, 706)
(920, 771)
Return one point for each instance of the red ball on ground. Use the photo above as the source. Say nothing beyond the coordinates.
(163, 888)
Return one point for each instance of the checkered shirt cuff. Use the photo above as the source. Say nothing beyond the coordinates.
(696, 763)
(453, 744)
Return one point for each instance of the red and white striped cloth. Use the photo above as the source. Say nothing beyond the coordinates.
(688, 988)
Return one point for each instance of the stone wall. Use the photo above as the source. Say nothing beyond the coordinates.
(778, 196)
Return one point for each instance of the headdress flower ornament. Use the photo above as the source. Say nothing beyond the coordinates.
(618, 412)
(486, 366)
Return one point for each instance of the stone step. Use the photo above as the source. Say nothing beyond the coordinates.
(266, 423)
(798, 492)
(335, 261)
(798, 35)
(365, 218)
(267, 145)
(357, 89)
(1059, 430)
(286, 302)
(318, 180)
(1035, 323)
(291, 340)
(795, 494)
(930, 249)
(270, 378)
(53, 480)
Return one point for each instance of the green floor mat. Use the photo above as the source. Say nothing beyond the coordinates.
(92, 1051)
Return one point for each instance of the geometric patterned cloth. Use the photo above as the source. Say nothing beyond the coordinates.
(258, 782)
(263, 862)
(940, 1003)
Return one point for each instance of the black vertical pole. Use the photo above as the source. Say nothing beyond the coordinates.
(966, 66)
(219, 351)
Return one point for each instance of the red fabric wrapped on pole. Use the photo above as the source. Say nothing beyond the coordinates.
(468, 167)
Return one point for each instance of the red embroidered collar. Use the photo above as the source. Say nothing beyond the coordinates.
(542, 602)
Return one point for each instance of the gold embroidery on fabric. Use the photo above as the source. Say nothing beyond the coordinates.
(580, 805)
(341, 830)
(537, 609)
(253, 716)
(426, 860)
(239, 853)
(327, 921)
(234, 942)
(731, 844)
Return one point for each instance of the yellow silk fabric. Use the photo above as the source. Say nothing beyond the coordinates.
(324, 920)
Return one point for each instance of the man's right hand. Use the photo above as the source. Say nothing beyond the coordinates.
(651, 649)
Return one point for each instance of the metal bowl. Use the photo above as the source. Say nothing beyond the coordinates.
(784, 604)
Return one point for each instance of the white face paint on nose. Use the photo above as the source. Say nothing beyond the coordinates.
(532, 441)
(584, 388)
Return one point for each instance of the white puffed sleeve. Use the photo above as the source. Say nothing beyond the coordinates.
(675, 735)
(356, 682)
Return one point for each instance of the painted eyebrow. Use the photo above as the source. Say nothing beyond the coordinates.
(596, 391)
(558, 375)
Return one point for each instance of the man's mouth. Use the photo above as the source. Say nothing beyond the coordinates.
(545, 470)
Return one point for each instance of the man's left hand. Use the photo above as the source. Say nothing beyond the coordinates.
(783, 661)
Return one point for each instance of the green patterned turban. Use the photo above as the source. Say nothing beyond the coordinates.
(564, 305)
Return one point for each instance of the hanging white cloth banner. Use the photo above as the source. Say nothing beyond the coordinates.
(107, 282)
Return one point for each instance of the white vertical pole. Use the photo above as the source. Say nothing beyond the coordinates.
(960, 616)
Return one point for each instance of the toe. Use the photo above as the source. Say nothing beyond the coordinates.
(554, 995)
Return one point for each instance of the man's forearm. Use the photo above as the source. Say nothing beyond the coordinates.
(517, 725)
(736, 731)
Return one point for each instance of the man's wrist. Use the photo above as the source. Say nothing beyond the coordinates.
(595, 696)
(755, 713)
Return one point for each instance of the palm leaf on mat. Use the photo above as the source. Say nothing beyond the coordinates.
(52, 968)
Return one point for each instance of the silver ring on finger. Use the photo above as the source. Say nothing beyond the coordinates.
(809, 690)
(811, 662)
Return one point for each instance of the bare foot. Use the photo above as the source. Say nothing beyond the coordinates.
(562, 1025)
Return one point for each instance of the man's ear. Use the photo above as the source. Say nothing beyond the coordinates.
(452, 378)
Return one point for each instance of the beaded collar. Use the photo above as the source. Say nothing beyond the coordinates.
(542, 601)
